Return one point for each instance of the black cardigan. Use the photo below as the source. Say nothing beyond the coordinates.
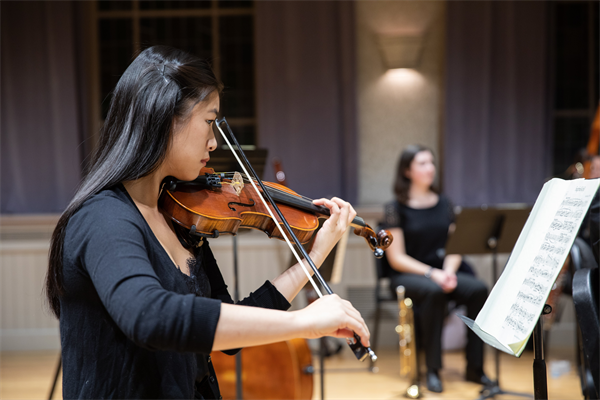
(129, 326)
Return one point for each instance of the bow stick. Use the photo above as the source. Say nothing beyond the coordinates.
(361, 352)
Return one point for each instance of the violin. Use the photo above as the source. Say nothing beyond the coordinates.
(219, 204)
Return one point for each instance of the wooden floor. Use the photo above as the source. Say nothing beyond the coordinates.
(29, 376)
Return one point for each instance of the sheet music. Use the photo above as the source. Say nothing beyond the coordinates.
(514, 306)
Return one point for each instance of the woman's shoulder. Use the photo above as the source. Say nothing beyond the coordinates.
(443, 198)
(393, 206)
(391, 214)
(115, 196)
(444, 201)
(445, 206)
(106, 208)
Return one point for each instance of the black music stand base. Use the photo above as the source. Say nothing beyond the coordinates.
(492, 391)
(540, 380)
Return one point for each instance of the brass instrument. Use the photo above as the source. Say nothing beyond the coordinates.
(408, 349)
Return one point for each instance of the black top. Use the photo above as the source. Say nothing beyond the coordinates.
(132, 325)
(425, 229)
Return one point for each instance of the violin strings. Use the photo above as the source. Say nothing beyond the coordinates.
(296, 200)
(272, 216)
(246, 180)
(230, 174)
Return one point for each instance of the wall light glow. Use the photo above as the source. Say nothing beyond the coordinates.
(404, 76)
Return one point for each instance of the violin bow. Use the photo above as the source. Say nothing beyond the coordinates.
(361, 352)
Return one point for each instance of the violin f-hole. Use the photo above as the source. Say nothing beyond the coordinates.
(240, 204)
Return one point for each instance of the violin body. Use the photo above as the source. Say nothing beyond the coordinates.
(280, 370)
(223, 210)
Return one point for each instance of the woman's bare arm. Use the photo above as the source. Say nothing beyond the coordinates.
(399, 260)
(241, 326)
(291, 281)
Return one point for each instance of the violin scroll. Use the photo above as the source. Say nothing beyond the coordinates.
(378, 242)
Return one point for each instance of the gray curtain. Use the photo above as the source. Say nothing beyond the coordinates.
(496, 136)
(305, 89)
(39, 105)
(305, 57)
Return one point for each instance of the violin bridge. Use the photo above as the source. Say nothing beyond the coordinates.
(237, 182)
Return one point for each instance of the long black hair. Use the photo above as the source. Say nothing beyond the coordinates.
(160, 85)
(402, 183)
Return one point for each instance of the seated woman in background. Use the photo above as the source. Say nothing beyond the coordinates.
(420, 220)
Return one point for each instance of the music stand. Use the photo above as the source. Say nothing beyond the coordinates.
(488, 231)
(222, 160)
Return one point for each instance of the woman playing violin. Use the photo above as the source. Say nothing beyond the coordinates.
(139, 310)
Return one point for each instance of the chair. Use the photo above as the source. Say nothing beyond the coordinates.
(582, 258)
(585, 298)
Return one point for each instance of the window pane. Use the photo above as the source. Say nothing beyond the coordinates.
(245, 134)
(571, 135)
(190, 34)
(237, 66)
(174, 4)
(572, 55)
(110, 5)
(235, 4)
(116, 50)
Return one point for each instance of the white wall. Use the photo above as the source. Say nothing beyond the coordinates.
(396, 108)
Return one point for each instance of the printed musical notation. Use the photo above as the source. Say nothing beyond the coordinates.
(515, 324)
(540, 276)
(551, 261)
(518, 311)
(515, 304)
(534, 285)
(569, 213)
(541, 272)
(565, 226)
(557, 237)
(570, 202)
(529, 298)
